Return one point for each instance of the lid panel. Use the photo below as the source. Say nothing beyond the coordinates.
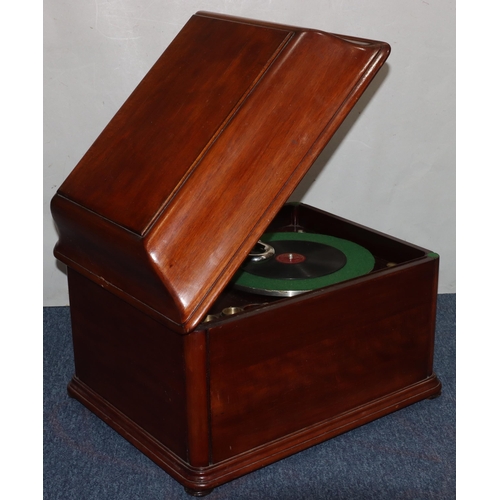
(171, 197)
(245, 176)
(142, 156)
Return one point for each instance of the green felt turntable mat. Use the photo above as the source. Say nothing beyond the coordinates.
(359, 262)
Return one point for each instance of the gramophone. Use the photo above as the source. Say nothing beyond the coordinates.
(215, 326)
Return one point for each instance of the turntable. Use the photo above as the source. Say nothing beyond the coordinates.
(215, 326)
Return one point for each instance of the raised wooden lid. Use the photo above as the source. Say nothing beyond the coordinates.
(171, 197)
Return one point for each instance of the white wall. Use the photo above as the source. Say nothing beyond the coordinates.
(391, 166)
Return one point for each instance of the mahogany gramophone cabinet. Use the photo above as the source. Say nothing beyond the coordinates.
(210, 373)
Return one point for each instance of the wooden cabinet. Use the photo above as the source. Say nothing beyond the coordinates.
(161, 212)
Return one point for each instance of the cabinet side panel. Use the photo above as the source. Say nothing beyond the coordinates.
(135, 363)
(319, 356)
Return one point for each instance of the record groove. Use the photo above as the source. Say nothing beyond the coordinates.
(297, 259)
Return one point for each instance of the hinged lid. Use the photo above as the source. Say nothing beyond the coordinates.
(176, 190)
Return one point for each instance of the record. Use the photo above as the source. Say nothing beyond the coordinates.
(300, 262)
(297, 259)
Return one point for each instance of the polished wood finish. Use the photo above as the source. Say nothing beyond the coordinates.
(159, 214)
(241, 392)
(275, 372)
(206, 150)
(133, 362)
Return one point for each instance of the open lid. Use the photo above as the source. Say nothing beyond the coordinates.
(179, 186)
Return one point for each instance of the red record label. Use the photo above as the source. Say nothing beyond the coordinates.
(290, 258)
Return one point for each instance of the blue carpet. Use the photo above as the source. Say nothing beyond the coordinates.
(409, 454)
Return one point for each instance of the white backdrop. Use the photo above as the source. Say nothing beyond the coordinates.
(391, 166)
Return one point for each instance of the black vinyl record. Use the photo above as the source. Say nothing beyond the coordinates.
(298, 259)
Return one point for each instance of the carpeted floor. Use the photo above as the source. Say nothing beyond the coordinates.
(409, 454)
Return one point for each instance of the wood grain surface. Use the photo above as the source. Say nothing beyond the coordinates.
(200, 158)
